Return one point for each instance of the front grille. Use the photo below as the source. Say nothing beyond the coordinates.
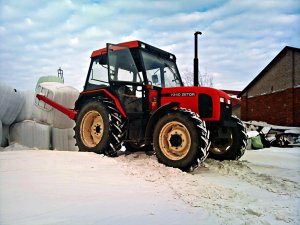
(205, 106)
(226, 111)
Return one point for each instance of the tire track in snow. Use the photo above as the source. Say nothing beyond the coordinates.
(230, 204)
(242, 171)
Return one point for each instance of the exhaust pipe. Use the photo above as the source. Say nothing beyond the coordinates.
(196, 61)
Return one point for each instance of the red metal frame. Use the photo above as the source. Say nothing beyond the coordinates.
(103, 51)
(71, 113)
(115, 99)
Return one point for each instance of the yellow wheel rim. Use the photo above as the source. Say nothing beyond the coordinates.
(174, 140)
(91, 129)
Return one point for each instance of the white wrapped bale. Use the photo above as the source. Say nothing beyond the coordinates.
(27, 109)
(31, 134)
(63, 139)
(11, 102)
(3, 135)
(49, 78)
(60, 93)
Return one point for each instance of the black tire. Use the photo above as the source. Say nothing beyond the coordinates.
(180, 139)
(233, 148)
(109, 132)
(135, 147)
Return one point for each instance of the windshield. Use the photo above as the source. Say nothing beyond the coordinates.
(160, 71)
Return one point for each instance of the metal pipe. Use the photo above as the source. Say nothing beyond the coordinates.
(196, 61)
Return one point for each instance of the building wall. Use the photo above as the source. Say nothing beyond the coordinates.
(276, 108)
(297, 107)
(279, 77)
(275, 98)
(297, 68)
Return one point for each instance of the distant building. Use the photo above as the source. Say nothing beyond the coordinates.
(274, 94)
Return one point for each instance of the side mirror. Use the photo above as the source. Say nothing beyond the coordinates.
(155, 79)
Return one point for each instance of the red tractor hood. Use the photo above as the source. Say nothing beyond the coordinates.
(188, 91)
(188, 97)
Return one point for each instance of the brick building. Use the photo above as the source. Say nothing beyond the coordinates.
(274, 94)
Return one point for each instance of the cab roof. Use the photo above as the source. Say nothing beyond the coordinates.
(136, 44)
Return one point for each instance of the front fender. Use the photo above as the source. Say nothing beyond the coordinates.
(155, 117)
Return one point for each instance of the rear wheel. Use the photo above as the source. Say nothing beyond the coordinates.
(180, 139)
(233, 143)
(99, 128)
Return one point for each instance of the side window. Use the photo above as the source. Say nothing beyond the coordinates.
(98, 74)
(154, 77)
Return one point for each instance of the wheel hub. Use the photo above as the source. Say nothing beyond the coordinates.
(91, 129)
(98, 129)
(174, 140)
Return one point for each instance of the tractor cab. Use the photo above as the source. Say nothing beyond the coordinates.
(131, 70)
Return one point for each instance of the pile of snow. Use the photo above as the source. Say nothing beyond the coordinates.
(261, 134)
(255, 125)
(263, 188)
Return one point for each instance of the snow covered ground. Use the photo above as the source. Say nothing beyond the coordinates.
(56, 187)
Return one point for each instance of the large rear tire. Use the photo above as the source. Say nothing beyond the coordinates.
(99, 128)
(181, 139)
(231, 148)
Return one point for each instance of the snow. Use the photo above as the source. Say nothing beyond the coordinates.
(251, 134)
(275, 127)
(59, 187)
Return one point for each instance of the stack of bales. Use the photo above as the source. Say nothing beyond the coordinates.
(33, 123)
(62, 126)
(11, 102)
(27, 132)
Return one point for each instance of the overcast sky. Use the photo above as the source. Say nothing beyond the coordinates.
(240, 37)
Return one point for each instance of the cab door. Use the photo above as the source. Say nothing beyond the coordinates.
(127, 82)
(125, 78)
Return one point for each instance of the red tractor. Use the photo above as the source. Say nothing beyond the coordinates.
(134, 96)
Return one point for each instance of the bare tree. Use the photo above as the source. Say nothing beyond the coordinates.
(205, 79)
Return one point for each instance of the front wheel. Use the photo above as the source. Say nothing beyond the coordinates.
(180, 139)
(228, 143)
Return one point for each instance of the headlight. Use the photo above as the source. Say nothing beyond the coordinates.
(222, 99)
(229, 102)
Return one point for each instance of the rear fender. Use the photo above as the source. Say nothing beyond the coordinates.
(88, 95)
(155, 117)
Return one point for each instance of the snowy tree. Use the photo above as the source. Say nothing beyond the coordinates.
(205, 79)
